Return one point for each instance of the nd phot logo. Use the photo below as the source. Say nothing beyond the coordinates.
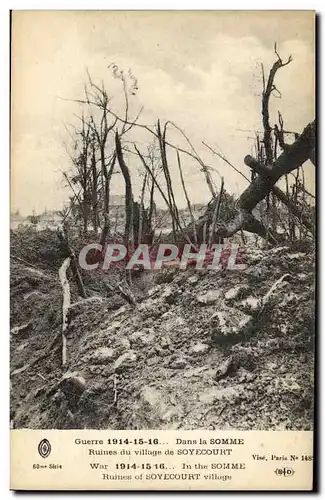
(44, 448)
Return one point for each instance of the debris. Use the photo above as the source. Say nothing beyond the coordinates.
(228, 323)
(234, 292)
(216, 394)
(294, 256)
(103, 354)
(211, 297)
(199, 348)
(72, 383)
(183, 365)
(251, 304)
(65, 307)
(124, 361)
(178, 363)
(21, 329)
(142, 338)
(271, 291)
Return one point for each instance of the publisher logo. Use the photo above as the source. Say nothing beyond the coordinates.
(44, 448)
(284, 471)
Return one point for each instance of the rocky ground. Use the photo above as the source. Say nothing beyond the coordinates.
(200, 349)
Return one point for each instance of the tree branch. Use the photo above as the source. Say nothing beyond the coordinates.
(261, 186)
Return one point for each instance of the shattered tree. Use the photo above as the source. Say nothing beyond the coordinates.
(298, 153)
(293, 156)
(224, 338)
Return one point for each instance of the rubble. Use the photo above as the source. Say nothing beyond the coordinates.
(200, 350)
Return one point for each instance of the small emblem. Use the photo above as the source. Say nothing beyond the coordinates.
(44, 448)
(284, 471)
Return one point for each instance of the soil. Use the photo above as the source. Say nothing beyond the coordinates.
(200, 349)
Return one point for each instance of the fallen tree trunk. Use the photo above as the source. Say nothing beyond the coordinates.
(292, 207)
(69, 252)
(289, 160)
(299, 152)
(65, 306)
(127, 295)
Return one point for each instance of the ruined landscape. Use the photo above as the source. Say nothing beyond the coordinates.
(168, 348)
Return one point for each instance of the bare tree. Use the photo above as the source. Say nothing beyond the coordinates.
(269, 168)
(98, 97)
(79, 180)
(189, 206)
(128, 231)
(94, 188)
(101, 123)
(261, 186)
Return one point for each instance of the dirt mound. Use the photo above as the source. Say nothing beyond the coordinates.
(203, 349)
(38, 247)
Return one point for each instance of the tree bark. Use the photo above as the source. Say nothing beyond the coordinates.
(128, 192)
(69, 252)
(164, 163)
(292, 207)
(94, 189)
(216, 214)
(107, 179)
(289, 160)
(65, 307)
(189, 206)
(261, 186)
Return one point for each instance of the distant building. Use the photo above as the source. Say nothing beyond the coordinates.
(52, 217)
(16, 219)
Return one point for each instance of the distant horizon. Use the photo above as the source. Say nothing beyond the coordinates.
(200, 70)
(55, 210)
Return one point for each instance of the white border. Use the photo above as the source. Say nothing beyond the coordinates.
(4, 170)
(162, 5)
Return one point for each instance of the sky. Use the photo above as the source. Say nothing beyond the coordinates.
(200, 70)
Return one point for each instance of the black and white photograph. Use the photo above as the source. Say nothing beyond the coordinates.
(162, 220)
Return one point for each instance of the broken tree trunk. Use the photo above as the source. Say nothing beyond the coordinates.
(128, 236)
(65, 306)
(94, 194)
(141, 211)
(292, 207)
(165, 167)
(267, 91)
(296, 155)
(170, 207)
(261, 186)
(189, 206)
(69, 252)
(107, 180)
(216, 213)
